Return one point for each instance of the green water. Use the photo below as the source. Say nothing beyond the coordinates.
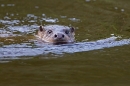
(93, 20)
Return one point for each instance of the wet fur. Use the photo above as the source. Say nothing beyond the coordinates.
(51, 37)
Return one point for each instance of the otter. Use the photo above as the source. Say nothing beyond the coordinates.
(56, 34)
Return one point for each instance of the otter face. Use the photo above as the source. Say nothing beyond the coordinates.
(56, 34)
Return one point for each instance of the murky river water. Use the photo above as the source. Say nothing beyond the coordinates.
(99, 57)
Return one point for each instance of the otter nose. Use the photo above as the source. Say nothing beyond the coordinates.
(59, 36)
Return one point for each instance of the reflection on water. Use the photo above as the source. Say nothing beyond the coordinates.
(8, 5)
(27, 49)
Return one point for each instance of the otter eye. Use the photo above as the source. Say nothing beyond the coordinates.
(49, 31)
(66, 31)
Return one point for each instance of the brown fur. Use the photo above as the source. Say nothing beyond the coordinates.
(56, 34)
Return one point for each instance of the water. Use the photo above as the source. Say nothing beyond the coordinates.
(26, 49)
(99, 57)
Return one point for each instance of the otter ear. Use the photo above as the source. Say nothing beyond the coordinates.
(72, 29)
(41, 28)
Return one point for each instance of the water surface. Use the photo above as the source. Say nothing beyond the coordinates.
(99, 57)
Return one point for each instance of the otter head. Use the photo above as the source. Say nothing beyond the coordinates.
(56, 34)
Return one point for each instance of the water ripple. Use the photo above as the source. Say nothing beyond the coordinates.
(43, 49)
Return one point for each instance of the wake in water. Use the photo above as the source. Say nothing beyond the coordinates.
(18, 50)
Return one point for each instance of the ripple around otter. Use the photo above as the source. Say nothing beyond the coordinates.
(12, 51)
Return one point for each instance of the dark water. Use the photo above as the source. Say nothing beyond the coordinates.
(100, 56)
